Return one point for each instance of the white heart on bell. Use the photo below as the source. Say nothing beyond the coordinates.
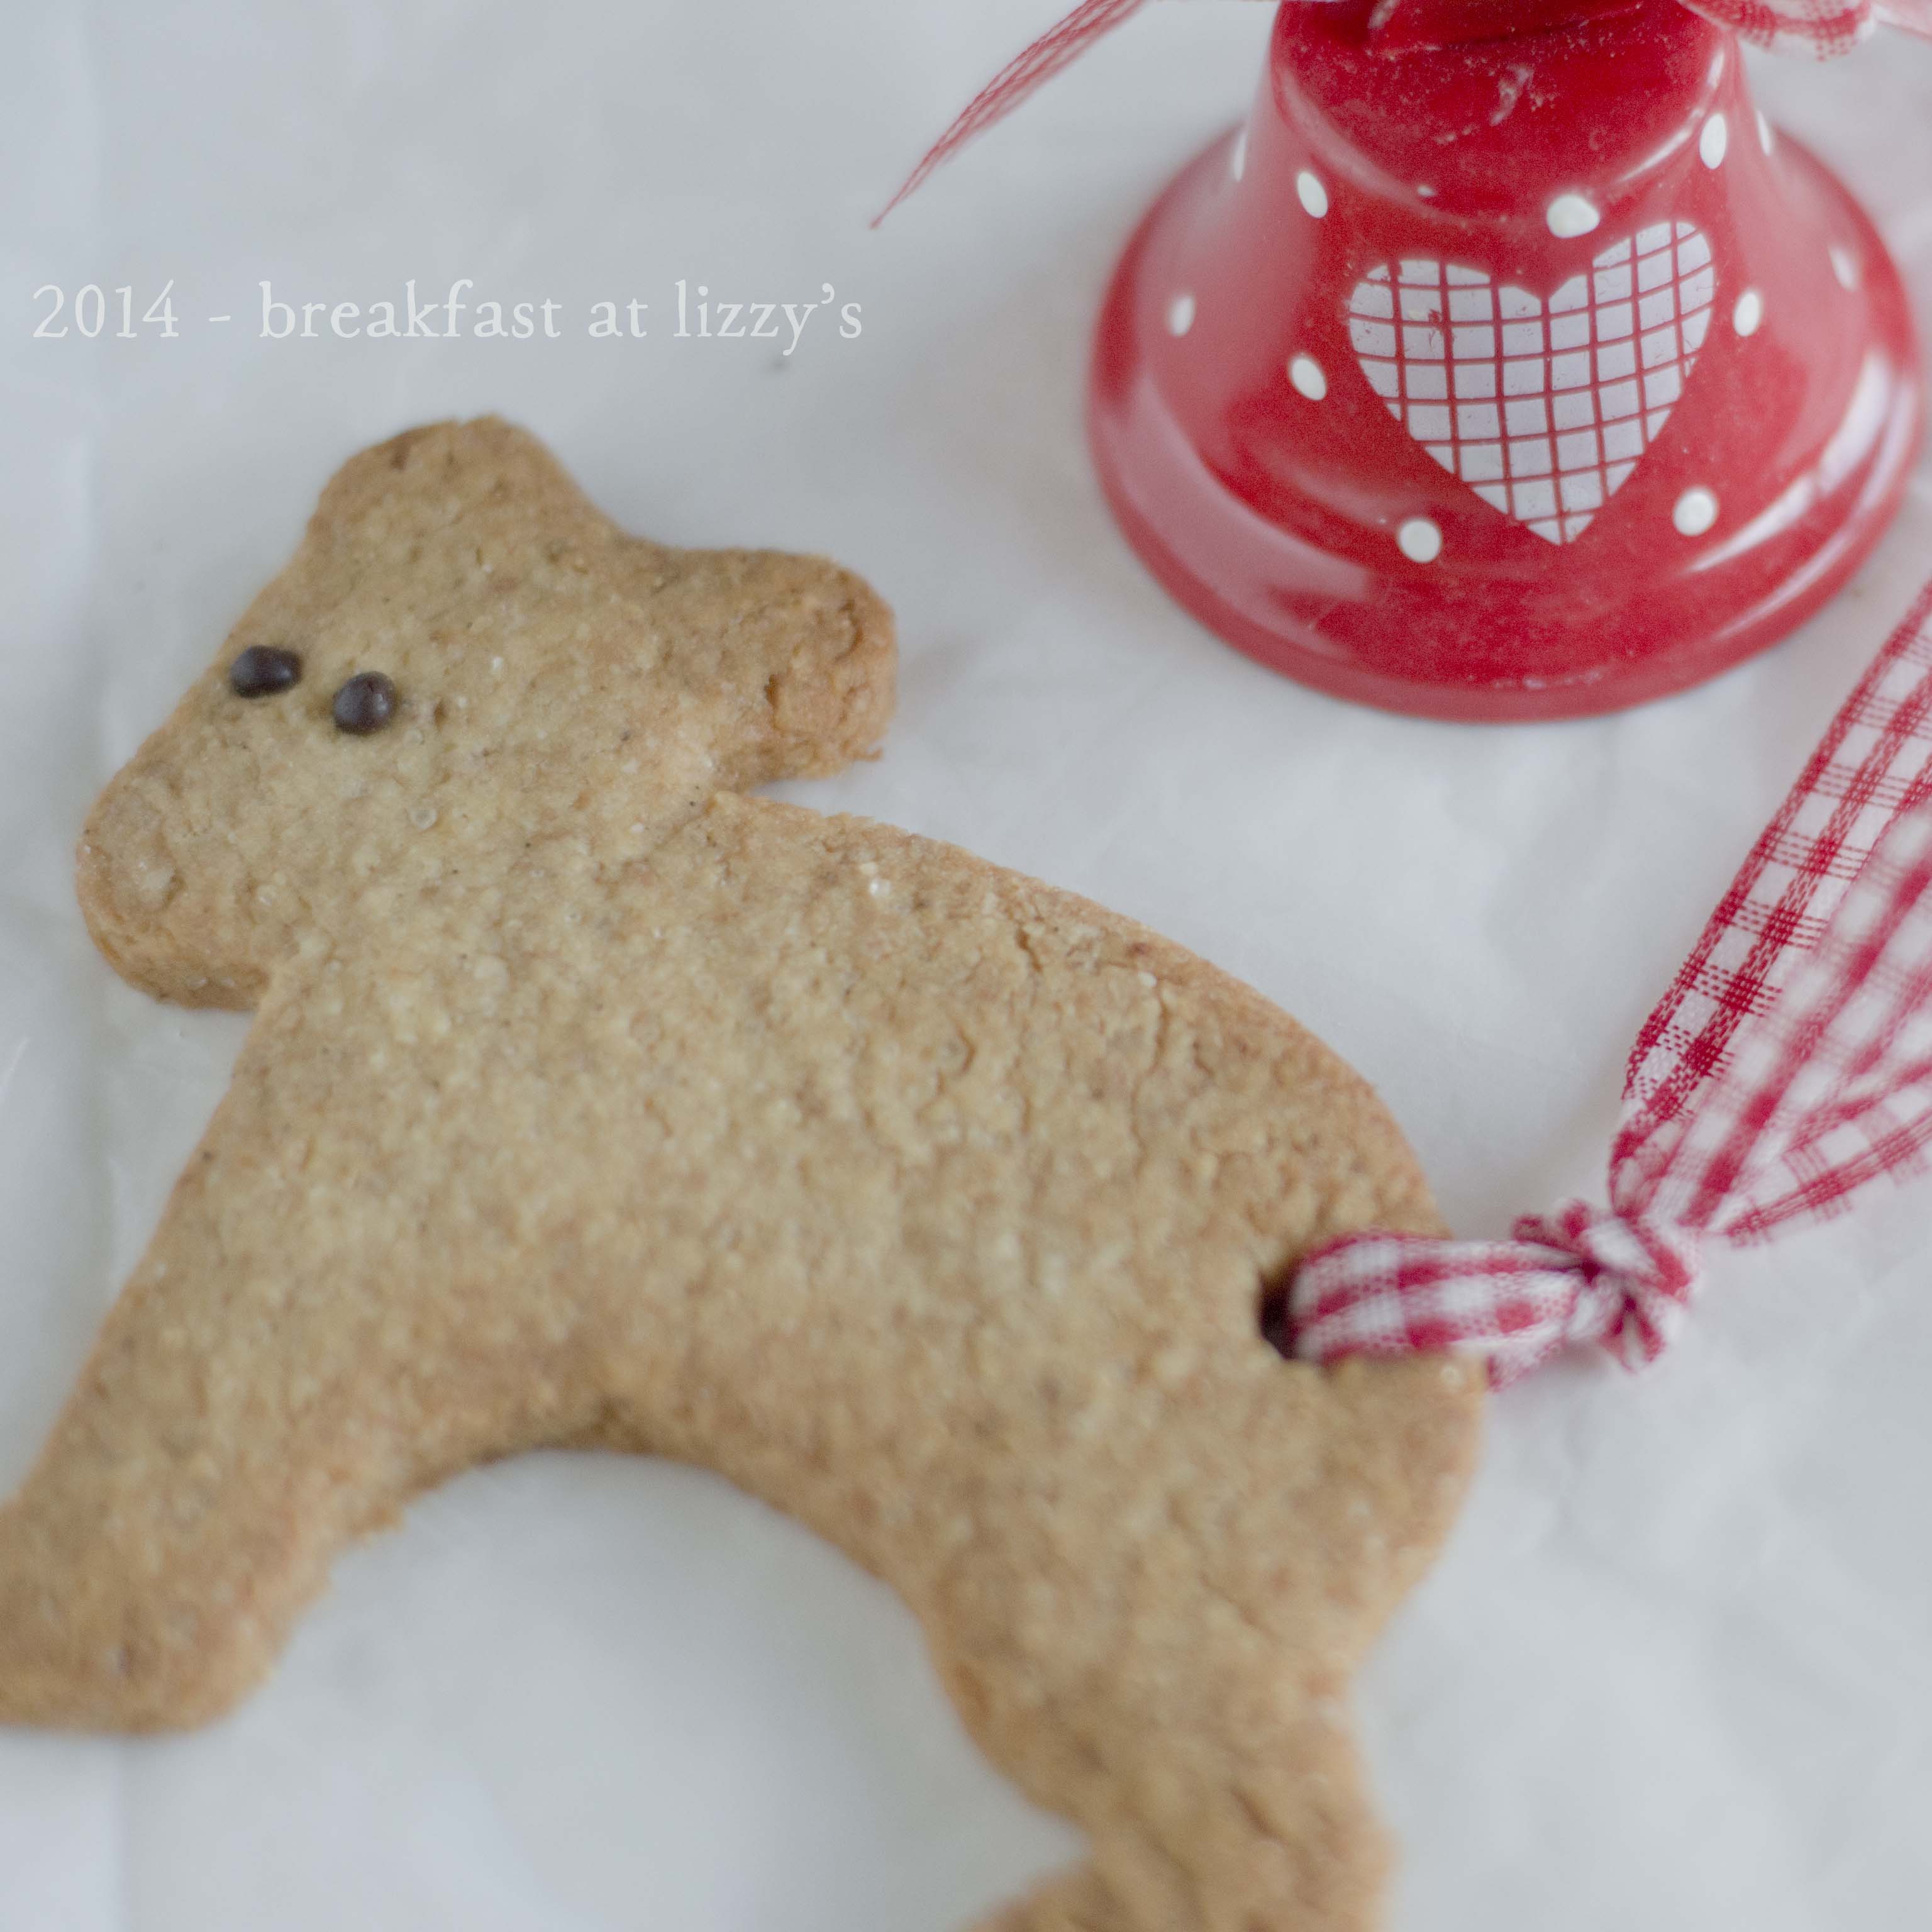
(1543, 409)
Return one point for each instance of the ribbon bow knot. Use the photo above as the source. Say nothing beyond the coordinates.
(1580, 1276)
(1630, 1281)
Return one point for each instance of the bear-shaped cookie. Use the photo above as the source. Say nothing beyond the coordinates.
(591, 1101)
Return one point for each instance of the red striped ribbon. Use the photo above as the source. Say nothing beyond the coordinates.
(1788, 1066)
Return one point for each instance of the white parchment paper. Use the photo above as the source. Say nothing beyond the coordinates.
(1676, 1671)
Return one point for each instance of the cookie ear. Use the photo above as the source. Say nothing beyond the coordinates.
(800, 653)
(784, 664)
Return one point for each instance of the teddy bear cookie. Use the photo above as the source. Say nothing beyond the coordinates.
(591, 1100)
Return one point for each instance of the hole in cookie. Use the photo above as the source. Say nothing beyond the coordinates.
(1274, 1323)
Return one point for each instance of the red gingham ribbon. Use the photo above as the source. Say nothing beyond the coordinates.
(1821, 28)
(1790, 1065)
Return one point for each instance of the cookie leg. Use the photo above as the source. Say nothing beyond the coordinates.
(1239, 1876)
(152, 1564)
(1302, 1855)
(1171, 1675)
(1077, 1902)
(264, 1391)
(144, 1564)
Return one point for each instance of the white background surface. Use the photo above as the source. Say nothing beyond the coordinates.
(1676, 1670)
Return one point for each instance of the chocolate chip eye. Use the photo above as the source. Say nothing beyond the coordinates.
(366, 703)
(262, 670)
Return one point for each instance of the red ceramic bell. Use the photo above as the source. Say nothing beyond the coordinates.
(1505, 378)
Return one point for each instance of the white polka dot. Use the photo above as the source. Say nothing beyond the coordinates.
(1845, 266)
(1237, 162)
(1766, 139)
(1715, 141)
(1420, 539)
(1748, 313)
(1180, 315)
(1314, 195)
(1696, 511)
(1571, 215)
(1309, 377)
